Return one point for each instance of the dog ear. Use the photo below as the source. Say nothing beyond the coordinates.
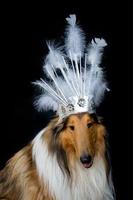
(97, 118)
(60, 126)
(100, 119)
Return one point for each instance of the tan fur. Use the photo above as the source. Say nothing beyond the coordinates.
(83, 139)
(19, 179)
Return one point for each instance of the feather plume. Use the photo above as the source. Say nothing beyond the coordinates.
(78, 79)
(51, 90)
(45, 102)
(95, 51)
(75, 40)
(54, 58)
(95, 84)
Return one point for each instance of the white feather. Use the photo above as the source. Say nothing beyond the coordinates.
(64, 87)
(95, 84)
(99, 93)
(54, 58)
(48, 70)
(75, 40)
(95, 50)
(52, 91)
(45, 102)
(71, 20)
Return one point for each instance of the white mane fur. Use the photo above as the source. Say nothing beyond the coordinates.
(87, 184)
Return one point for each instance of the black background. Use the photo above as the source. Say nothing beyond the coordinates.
(25, 28)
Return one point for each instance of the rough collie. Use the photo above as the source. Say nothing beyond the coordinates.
(65, 161)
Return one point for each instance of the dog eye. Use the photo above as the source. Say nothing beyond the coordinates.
(71, 127)
(89, 125)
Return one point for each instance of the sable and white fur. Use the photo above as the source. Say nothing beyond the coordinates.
(87, 184)
(49, 168)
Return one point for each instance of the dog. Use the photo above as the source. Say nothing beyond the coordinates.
(67, 160)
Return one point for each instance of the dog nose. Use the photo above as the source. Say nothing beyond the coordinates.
(86, 159)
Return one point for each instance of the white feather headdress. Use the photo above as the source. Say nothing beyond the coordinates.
(76, 79)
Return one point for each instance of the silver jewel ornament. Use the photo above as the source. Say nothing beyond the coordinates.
(70, 107)
(81, 102)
